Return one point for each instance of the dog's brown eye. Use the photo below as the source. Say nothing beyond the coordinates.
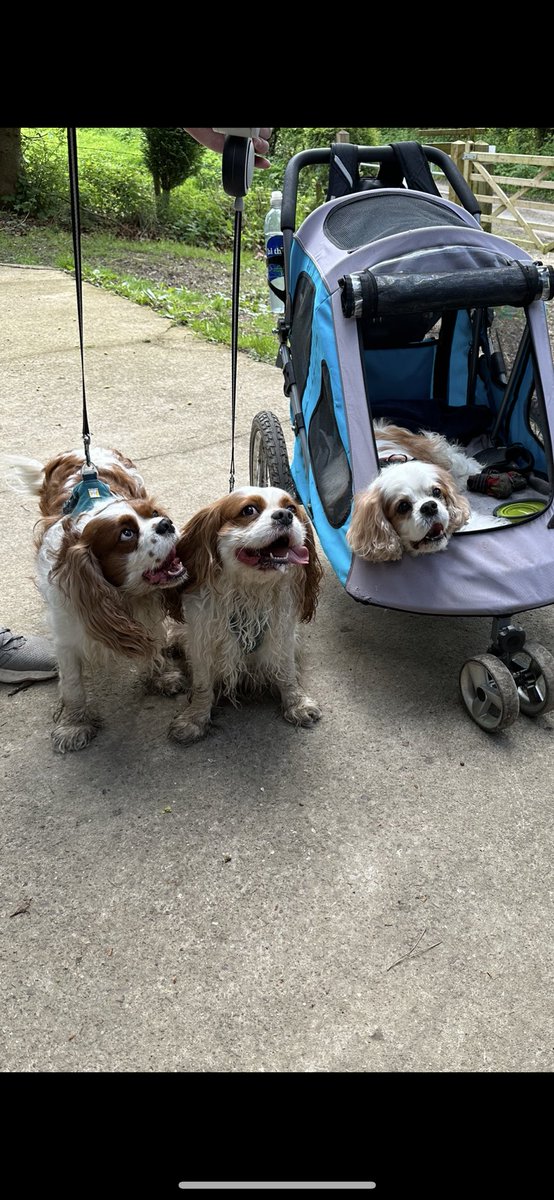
(291, 508)
(155, 513)
(250, 510)
(404, 506)
(126, 535)
(436, 492)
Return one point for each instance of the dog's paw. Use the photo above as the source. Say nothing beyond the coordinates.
(168, 682)
(305, 712)
(67, 736)
(185, 729)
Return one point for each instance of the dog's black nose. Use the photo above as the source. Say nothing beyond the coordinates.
(164, 526)
(429, 508)
(283, 516)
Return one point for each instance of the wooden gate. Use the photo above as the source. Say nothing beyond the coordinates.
(505, 202)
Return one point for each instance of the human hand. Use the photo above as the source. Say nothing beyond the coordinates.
(215, 141)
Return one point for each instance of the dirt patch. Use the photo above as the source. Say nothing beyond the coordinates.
(196, 274)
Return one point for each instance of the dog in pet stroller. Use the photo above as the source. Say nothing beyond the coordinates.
(396, 307)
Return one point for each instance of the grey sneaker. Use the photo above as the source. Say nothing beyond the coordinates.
(25, 659)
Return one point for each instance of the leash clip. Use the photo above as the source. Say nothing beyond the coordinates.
(89, 472)
(86, 444)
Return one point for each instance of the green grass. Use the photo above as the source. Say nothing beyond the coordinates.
(27, 242)
(121, 147)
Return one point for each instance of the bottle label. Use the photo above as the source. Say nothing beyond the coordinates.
(275, 256)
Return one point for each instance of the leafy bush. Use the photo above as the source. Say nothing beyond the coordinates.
(114, 194)
(199, 216)
(43, 188)
(114, 190)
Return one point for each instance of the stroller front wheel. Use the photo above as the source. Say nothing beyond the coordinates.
(533, 667)
(489, 692)
(269, 460)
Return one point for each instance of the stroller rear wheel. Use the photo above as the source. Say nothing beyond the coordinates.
(533, 667)
(489, 692)
(269, 460)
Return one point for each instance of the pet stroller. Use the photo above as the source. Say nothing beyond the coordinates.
(399, 305)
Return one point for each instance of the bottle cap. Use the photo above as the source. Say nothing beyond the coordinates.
(276, 199)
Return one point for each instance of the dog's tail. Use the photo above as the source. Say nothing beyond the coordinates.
(23, 475)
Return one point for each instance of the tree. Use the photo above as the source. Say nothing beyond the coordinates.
(10, 162)
(171, 155)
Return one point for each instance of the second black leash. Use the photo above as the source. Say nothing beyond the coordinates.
(235, 297)
(237, 171)
(76, 232)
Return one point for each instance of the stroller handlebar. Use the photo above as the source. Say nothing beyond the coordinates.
(370, 296)
(368, 154)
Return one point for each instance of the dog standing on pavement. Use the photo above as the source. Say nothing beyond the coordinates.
(106, 558)
(254, 577)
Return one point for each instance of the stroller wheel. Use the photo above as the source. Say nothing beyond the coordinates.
(489, 692)
(269, 460)
(533, 671)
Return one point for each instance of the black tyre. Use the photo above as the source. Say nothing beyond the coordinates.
(489, 692)
(269, 460)
(534, 678)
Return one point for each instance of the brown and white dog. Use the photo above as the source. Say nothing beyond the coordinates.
(415, 503)
(102, 570)
(254, 577)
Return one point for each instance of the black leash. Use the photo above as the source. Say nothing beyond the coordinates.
(237, 171)
(76, 232)
(235, 332)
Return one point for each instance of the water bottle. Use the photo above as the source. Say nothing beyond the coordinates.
(274, 252)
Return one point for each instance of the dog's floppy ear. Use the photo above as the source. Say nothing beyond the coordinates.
(172, 600)
(459, 510)
(370, 534)
(310, 576)
(97, 602)
(197, 545)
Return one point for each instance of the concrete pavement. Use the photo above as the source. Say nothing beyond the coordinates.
(372, 895)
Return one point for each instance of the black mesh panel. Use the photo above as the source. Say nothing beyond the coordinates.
(328, 457)
(301, 330)
(357, 222)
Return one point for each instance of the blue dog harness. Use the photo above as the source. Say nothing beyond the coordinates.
(86, 493)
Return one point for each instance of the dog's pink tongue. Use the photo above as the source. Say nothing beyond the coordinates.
(299, 554)
(170, 566)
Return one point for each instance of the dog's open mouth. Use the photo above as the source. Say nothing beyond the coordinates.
(435, 534)
(170, 572)
(279, 553)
